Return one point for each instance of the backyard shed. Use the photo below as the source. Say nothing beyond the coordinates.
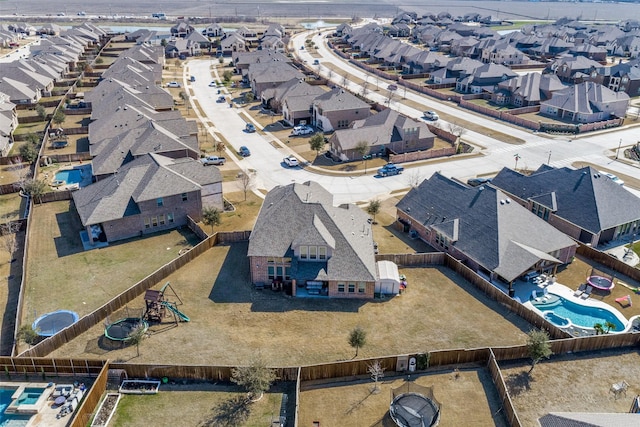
(388, 278)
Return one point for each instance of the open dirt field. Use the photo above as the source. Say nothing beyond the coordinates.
(230, 320)
(467, 397)
(572, 383)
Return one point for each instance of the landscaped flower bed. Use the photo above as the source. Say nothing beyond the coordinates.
(139, 387)
(106, 410)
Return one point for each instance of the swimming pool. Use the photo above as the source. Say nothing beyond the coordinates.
(578, 314)
(69, 176)
(10, 420)
(30, 396)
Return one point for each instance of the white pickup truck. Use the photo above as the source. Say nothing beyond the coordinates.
(213, 160)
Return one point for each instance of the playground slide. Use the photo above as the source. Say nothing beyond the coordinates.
(178, 313)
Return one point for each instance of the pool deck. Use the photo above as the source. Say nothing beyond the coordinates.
(85, 170)
(568, 294)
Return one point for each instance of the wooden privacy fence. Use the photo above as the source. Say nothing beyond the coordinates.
(193, 372)
(413, 260)
(91, 399)
(501, 387)
(50, 367)
(608, 261)
(95, 317)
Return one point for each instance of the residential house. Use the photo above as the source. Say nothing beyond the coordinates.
(384, 132)
(293, 99)
(18, 92)
(526, 90)
(454, 70)
(213, 30)
(550, 48)
(129, 70)
(302, 240)
(242, 60)
(201, 40)
(484, 78)
(337, 109)
(585, 103)
(483, 228)
(112, 94)
(424, 62)
(146, 54)
(584, 204)
(182, 29)
(265, 75)
(595, 53)
(182, 47)
(8, 123)
(274, 43)
(150, 194)
(572, 69)
(230, 43)
(27, 73)
(621, 77)
(503, 53)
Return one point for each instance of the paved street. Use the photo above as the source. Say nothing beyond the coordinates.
(596, 148)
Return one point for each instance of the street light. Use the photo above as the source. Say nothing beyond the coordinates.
(549, 159)
(618, 150)
(517, 157)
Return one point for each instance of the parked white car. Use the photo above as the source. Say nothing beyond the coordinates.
(431, 115)
(302, 130)
(291, 161)
(173, 84)
(613, 178)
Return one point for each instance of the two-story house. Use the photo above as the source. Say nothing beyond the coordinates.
(337, 109)
(301, 240)
(586, 102)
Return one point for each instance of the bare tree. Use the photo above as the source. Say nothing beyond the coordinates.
(329, 74)
(376, 370)
(246, 182)
(8, 242)
(345, 80)
(414, 178)
(365, 86)
(457, 131)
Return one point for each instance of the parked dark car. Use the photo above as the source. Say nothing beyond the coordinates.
(244, 151)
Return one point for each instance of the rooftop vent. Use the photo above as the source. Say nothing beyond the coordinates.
(508, 200)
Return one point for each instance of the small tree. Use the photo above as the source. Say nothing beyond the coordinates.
(99, 60)
(33, 138)
(227, 75)
(255, 378)
(374, 209)
(538, 347)
(137, 335)
(28, 152)
(362, 148)
(599, 328)
(8, 241)
(246, 181)
(184, 96)
(34, 188)
(27, 334)
(414, 178)
(457, 131)
(41, 111)
(163, 42)
(316, 142)
(211, 217)
(58, 117)
(376, 371)
(357, 339)
(220, 147)
(609, 326)
(249, 97)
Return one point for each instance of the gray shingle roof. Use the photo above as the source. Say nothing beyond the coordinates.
(146, 178)
(339, 99)
(500, 235)
(584, 197)
(297, 212)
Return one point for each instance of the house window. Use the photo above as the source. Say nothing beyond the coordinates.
(312, 252)
(160, 201)
(362, 287)
(184, 197)
(341, 288)
(161, 219)
(322, 252)
(147, 224)
(170, 218)
(304, 252)
(352, 288)
(271, 272)
(154, 221)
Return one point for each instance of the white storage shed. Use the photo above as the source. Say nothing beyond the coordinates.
(388, 280)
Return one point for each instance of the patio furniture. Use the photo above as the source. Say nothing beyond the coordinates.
(587, 292)
(580, 290)
(619, 388)
(624, 301)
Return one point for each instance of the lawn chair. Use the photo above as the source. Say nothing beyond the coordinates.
(619, 388)
(587, 292)
(580, 290)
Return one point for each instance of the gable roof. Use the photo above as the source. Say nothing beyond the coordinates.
(147, 178)
(339, 99)
(584, 197)
(484, 224)
(304, 213)
(585, 98)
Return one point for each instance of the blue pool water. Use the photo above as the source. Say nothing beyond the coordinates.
(10, 420)
(30, 396)
(578, 314)
(69, 176)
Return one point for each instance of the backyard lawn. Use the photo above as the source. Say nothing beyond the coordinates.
(229, 320)
(208, 405)
(60, 275)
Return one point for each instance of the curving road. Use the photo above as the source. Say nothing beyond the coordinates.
(266, 158)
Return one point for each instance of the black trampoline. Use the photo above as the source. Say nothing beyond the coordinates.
(121, 329)
(414, 410)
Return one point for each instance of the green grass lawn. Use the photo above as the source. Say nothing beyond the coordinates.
(208, 405)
